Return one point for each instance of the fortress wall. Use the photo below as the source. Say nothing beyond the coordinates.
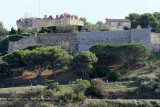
(142, 36)
(155, 40)
(88, 39)
(82, 41)
(66, 40)
(24, 42)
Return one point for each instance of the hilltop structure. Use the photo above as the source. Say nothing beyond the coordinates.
(119, 23)
(34, 23)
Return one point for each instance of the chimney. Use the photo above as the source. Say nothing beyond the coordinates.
(45, 16)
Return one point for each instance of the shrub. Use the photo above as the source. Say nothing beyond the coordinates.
(148, 82)
(99, 72)
(147, 78)
(54, 86)
(15, 37)
(153, 67)
(25, 34)
(98, 87)
(34, 93)
(72, 97)
(97, 104)
(4, 69)
(66, 29)
(114, 76)
(81, 85)
(33, 47)
(45, 105)
(48, 93)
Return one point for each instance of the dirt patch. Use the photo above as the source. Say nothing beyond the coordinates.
(48, 75)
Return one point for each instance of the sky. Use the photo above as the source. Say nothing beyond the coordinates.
(92, 10)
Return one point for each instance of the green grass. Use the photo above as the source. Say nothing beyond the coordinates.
(18, 89)
(122, 86)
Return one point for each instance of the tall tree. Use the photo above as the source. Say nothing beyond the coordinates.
(132, 54)
(3, 31)
(75, 16)
(83, 61)
(58, 58)
(36, 60)
(148, 20)
(99, 23)
(14, 61)
(84, 20)
(157, 15)
(134, 17)
(13, 31)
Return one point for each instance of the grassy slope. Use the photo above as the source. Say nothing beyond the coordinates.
(127, 82)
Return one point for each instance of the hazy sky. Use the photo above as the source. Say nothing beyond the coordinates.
(93, 10)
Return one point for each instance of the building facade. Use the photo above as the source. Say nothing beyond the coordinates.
(119, 23)
(34, 23)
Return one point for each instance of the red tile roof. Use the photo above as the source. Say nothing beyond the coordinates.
(118, 20)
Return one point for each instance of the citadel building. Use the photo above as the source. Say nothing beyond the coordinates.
(119, 23)
(34, 23)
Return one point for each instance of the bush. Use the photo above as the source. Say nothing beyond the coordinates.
(4, 46)
(98, 87)
(54, 86)
(66, 29)
(99, 72)
(97, 104)
(81, 85)
(34, 93)
(15, 37)
(148, 82)
(72, 97)
(33, 47)
(153, 67)
(4, 69)
(25, 34)
(114, 76)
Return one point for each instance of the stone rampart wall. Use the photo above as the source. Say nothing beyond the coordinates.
(24, 42)
(155, 40)
(142, 36)
(82, 41)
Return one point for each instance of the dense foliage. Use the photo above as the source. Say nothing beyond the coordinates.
(125, 54)
(114, 75)
(3, 31)
(38, 58)
(83, 62)
(145, 20)
(99, 72)
(98, 87)
(54, 86)
(15, 37)
(4, 46)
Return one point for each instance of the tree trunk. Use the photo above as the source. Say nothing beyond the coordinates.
(54, 73)
(39, 74)
(127, 61)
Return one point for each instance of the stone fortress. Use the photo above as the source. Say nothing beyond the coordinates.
(82, 41)
(34, 23)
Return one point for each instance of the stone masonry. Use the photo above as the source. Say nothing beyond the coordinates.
(82, 41)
